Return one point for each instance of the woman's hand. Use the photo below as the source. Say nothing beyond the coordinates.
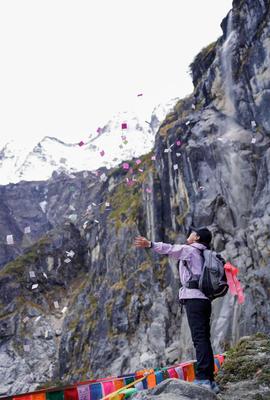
(142, 242)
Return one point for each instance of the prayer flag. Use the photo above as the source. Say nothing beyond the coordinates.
(253, 124)
(148, 190)
(193, 107)
(151, 381)
(32, 274)
(27, 229)
(64, 309)
(96, 391)
(108, 387)
(187, 123)
(102, 153)
(153, 158)
(253, 140)
(180, 373)
(139, 95)
(159, 377)
(10, 239)
(124, 125)
(175, 167)
(140, 170)
(178, 154)
(39, 396)
(81, 143)
(71, 394)
(58, 395)
(172, 373)
(178, 143)
(107, 204)
(67, 260)
(26, 319)
(138, 162)
(139, 386)
(83, 392)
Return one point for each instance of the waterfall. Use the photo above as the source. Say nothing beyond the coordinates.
(226, 63)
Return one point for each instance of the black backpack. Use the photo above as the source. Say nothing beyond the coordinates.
(212, 281)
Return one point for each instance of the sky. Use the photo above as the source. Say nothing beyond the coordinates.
(68, 66)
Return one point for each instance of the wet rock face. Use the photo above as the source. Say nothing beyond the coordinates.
(211, 168)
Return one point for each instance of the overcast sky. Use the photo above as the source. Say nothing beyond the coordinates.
(68, 66)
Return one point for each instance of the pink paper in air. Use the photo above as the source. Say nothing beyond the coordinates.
(153, 158)
(178, 143)
(138, 162)
(102, 153)
(140, 170)
(148, 190)
(125, 165)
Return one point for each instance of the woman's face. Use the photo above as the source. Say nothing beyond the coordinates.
(193, 237)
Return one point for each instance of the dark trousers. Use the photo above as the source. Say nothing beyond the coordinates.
(198, 315)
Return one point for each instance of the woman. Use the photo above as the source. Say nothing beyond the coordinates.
(197, 305)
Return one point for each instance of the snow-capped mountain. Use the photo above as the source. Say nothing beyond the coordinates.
(125, 136)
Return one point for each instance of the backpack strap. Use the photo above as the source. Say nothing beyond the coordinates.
(193, 282)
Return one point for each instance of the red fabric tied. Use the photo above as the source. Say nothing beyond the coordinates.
(234, 284)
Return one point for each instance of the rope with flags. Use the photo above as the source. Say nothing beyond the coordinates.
(119, 387)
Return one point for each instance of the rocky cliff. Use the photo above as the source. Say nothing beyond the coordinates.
(109, 308)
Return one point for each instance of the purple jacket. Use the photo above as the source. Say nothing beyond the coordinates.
(194, 259)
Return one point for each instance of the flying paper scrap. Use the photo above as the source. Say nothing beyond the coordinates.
(70, 253)
(26, 347)
(64, 309)
(139, 95)
(178, 154)
(175, 167)
(124, 125)
(138, 162)
(193, 107)
(35, 286)
(56, 304)
(103, 177)
(81, 143)
(125, 166)
(32, 274)
(253, 124)
(67, 260)
(153, 158)
(27, 229)
(253, 140)
(10, 239)
(178, 143)
(107, 204)
(102, 153)
(26, 319)
(148, 190)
